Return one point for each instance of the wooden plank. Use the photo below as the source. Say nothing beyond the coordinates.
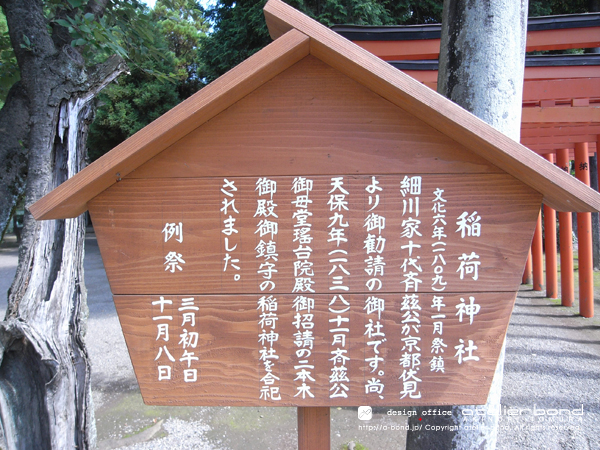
(70, 199)
(563, 39)
(563, 130)
(533, 75)
(558, 89)
(129, 219)
(314, 428)
(574, 72)
(229, 371)
(557, 141)
(305, 120)
(561, 114)
(560, 191)
(403, 50)
(536, 41)
(550, 148)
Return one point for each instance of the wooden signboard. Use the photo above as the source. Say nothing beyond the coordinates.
(315, 229)
(272, 280)
(315, 290)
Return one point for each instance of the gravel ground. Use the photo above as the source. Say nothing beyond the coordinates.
(553, 365)
(550, 400)
(182, 435)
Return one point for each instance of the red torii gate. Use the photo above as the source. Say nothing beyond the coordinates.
(560, 121)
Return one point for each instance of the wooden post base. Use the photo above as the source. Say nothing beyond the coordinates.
(313, 428)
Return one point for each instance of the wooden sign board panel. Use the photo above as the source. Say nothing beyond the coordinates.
(315, 291)
(312, 120)
(229, 369)
(130, 219)
(315, 245)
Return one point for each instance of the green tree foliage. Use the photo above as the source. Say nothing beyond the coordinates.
(411, 12)
(557, 7)
(160, 46)
(239, 32)
(240, 29)
(121, 30)
(182, 24)
(9, 69)
(130, 104)
(141, 97)
(358, 12)
(124, 29)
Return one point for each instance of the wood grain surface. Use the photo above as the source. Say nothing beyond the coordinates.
(314, 428)
(129, 218)
(312, 120)
(229, 369)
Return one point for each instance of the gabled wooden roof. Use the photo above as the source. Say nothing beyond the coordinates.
(297, 36)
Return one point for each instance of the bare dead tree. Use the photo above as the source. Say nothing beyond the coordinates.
(45, 395)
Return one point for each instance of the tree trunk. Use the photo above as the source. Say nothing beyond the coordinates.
(44, 375)
(14, 131)
(45, 394)
(482, 59)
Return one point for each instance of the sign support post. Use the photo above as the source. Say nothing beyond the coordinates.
(313, 428)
